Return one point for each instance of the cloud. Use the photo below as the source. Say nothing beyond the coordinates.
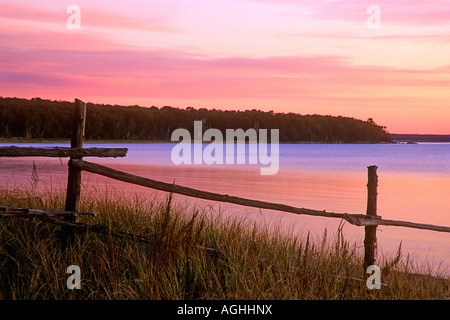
(14, 12)
(412, 12)
(36, 79)
(90, 18)
(176, 74)
(107, 20)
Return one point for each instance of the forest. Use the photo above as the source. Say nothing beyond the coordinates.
(38, 118)
(420, 137)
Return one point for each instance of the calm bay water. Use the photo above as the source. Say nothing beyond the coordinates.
(414, 185)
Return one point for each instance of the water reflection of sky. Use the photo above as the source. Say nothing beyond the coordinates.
(427, 158)
(421, 158)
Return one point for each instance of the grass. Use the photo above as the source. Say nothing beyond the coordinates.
(189, 254)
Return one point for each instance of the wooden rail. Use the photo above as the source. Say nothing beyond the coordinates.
(76, 165)
(8, 212)
(62, 152)
(354, 219)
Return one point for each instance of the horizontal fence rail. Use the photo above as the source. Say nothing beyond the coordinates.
(62, 152)
(354, 219)
(190, 192)
(8, 212)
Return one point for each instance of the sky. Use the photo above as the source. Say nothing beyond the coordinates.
(380, 59)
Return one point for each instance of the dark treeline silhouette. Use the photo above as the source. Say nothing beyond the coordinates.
(46, 119)
(420, 137)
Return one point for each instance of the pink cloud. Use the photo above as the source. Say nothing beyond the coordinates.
(171, 74)
(89, 17)
(15, 12)
(399, 11)
(107, 20)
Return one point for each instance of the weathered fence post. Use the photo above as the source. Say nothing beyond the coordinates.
(370, 237)
(74, 178)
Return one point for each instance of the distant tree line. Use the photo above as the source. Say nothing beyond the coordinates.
(420, 137)
(45, 119)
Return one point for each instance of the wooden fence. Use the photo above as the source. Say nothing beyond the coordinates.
(76, 165)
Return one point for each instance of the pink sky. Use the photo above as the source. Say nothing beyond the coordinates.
(308, 57)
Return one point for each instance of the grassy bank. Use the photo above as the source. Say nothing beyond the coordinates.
(187, 255)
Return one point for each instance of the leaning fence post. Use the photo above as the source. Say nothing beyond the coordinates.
(74, 177)
(370, 237)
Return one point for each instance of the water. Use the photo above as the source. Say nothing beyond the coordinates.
(414, 184)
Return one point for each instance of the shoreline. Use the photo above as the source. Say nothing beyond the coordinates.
(22, 140)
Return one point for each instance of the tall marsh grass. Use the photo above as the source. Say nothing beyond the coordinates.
(188, 254)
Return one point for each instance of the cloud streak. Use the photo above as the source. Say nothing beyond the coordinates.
(175, 74)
